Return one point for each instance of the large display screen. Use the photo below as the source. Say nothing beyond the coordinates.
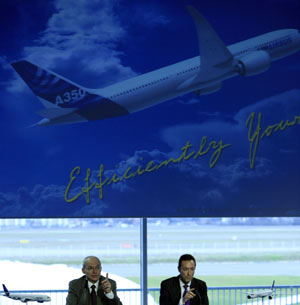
(150, 109)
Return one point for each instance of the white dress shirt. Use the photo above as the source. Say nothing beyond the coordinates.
(109, 295)
(181, 283)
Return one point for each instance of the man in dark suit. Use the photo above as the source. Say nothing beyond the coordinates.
(184, 288)
(92, 288)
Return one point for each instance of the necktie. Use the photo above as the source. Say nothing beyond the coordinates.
(94, 295)
(184, 293)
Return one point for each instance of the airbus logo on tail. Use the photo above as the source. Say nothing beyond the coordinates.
(67, 96)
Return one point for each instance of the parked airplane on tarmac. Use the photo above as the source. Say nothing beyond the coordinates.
(262, 293)
(26, 297)
(67, 102)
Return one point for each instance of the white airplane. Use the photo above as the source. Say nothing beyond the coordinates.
(66, 102)
(262, 293)
(26, 297)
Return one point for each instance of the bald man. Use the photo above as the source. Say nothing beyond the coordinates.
(80, 290)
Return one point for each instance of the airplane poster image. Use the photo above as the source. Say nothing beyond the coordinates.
(66, 102)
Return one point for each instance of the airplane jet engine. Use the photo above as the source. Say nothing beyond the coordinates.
(255, 62)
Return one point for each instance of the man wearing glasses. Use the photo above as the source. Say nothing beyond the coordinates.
(92, 288)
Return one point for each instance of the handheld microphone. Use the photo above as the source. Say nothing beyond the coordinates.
(198, 294)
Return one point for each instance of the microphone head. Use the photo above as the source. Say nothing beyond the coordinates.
(198, 294)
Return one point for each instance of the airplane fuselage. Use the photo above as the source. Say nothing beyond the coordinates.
(261, 294)
(40, 298)
(29, 297)
(163, 84)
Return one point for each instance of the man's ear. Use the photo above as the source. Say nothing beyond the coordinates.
(83, 271)
(178, 269)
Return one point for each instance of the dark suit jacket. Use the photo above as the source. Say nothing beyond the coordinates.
(170, 292)
(79, 293)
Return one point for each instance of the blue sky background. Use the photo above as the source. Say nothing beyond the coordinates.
(97, 43)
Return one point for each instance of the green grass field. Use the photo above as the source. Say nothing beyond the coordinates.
(231, 280)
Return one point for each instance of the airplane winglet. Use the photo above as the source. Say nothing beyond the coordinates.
(213, 51)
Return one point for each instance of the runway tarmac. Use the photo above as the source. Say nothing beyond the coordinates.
(230, 268)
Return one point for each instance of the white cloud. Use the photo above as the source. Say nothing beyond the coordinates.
(275, 108)
(80, 37)
(230, 174)
(149, 15)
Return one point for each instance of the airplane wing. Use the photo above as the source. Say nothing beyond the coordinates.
(212, 49)
(215, 58)
(248, 293)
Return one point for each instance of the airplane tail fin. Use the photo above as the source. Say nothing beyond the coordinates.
(51, 89)
(5, 290)
(273, 285)
(65, 101)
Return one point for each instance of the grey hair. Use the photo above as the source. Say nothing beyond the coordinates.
(87, 258)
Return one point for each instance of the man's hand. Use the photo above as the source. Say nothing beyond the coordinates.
(189, 295)
(105, 284)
